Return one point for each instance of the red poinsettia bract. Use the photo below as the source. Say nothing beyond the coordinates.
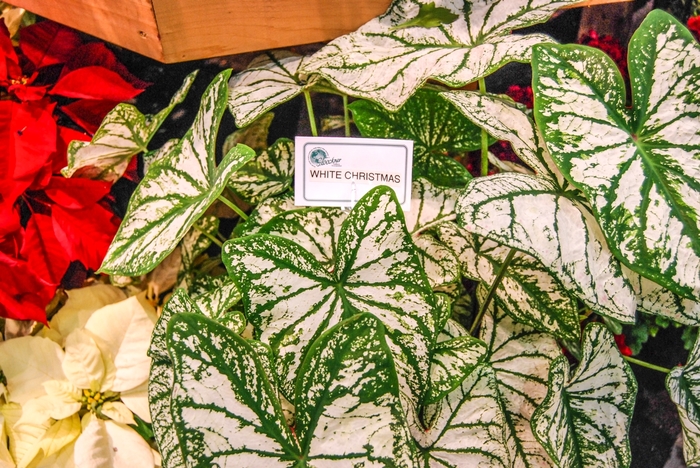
(47, 221)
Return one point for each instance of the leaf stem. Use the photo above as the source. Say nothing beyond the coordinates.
(647, 365)
(233, 206)
(492, 291)
(346, 111)
(484, 138)
(208, 236)
(310, 109)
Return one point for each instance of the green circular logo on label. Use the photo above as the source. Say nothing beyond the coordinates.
(318, 157)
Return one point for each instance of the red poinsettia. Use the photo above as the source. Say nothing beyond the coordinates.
(48, 222)
(694, 26)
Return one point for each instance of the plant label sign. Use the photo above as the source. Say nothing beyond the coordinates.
(339, 171)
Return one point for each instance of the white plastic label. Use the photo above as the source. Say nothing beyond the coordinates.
(338, 171)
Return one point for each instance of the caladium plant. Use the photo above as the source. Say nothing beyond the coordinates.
(432, 338)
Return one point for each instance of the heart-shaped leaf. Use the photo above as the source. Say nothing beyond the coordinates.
(228, 414)
(638, 167)
(528, 292)
(270, 80)
(530, 214)
(520, 357)
(291, 298)
(584, 419)
(176, 191)
(267, 175)
(124, 132)
(387, 64)
(436, 128)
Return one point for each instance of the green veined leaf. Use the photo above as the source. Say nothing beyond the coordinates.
(223, 407)
(216, 301)
(174, 194)
(504, 120)
(387, 66)
(654, 299)
(584, 420)
(528, 292)
(154, 157)
(450, 363)
(160, 382)
(639, 167)
(436, 128)
(227, 412)
(267, 175)
(269, 81)
(430, 206)
(530, 214)
(440, 264)
(683, 384)
(466, 428)
(315, 229)
(193, 245)
(348, 401)
(254, 135)
(123, 133)
(290, 297)
(160, 387)
(264, 212)
(520, 357)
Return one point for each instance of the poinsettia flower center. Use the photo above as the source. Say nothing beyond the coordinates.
(92, 400)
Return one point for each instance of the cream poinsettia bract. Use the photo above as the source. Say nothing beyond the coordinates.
(83, 395)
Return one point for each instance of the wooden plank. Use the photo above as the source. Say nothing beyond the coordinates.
(211, 28)
(128, 23)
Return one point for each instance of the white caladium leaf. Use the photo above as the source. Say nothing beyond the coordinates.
(520, 357)
(528, 291)
(387, 64)
(450, 363)
(154, 157)
(504, 120)
(437, 130)
(584, 420)
(270, 173)
(228, 414)
(124, 132)
(683, 385)
(654, 299)
(264, 212)
(315, 229)
(430, 206)
(160, 382)
(439, 262)
(530, 214)
(466, 427)
(639, 167)
(348, 399)
(215, 296)
(177, 190)
(194, 244)
(254, 135)
(291, 298)
(270, 80)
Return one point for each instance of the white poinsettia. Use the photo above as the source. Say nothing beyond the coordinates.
(76, 403)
